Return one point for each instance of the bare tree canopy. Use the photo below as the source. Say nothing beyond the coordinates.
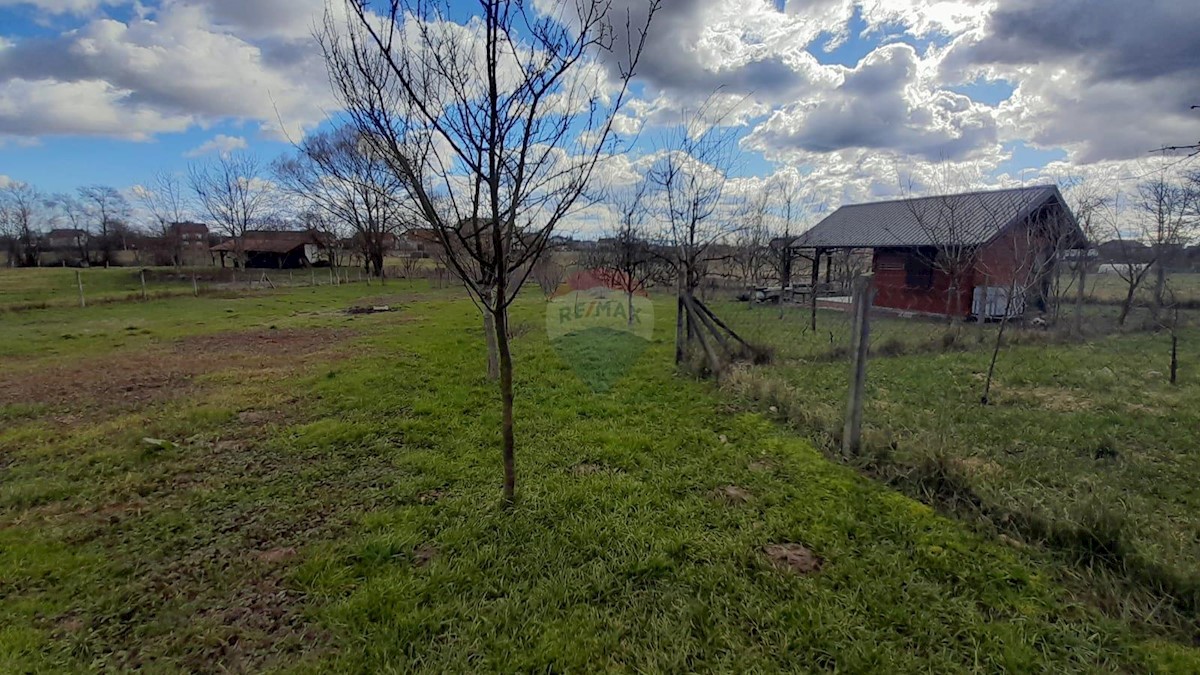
(166, 202)
(340, 174)
(108, 211)
(230, 189)
(690, 177)
(494, 127)
(22, 214)
(628, 255)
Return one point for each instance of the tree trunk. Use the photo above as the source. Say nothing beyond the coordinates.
(1079, 295)
(679, 321)
(812, 288)
(493, 348)
(1174, 357)
(785, 275)
(629, 307)
(1160, 286)
(506, 394)
(987, 384)
(1126, 305)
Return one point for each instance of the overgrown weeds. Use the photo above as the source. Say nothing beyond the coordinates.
(1094, 535)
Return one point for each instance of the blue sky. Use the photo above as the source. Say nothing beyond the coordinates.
(850, 94)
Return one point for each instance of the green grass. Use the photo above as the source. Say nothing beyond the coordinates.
(1081, 438)
(56, 286)
(343, 513)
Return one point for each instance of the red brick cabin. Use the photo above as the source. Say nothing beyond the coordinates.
(954, 255)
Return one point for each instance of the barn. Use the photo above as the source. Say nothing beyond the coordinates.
(273, 249)
(980, 254)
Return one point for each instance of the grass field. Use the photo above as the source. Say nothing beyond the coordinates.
(1086, 445)
(323, 495)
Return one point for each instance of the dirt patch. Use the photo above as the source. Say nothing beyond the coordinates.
(591, 469)
(763, 465)
(127, 380)
(290, 343)
(979, 467)
(732, 494)
(424, 555)
(431, 496)
(370, 309)
(277, 555)
(793, 558)
(1055, 399)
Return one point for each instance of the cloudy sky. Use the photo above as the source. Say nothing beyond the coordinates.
(854, 96)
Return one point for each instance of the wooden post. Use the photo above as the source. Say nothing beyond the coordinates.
(814, 279)
(79, 283)
(679, 327)
(860, 345)
(195, 287)
(312, 273)
(714, 362)
(1174, 357)
(143, 285)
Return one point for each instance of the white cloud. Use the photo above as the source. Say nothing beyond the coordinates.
(173, 63)
(62, 6)
(220, 144)
(1103, 80)
(32, 108)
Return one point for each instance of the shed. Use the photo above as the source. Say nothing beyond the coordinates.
(273, 249)
(958, 254)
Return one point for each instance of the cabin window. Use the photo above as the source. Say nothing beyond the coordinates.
(918, 268)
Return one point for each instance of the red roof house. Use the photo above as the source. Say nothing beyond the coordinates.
(958, 254)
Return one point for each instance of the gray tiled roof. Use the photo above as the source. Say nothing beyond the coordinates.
(963, 220)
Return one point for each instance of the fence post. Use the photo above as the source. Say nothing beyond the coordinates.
(859, 346)
(312, 273)
(195, 287)
(79, 283)
(143, 275)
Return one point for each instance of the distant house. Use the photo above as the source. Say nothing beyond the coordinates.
(997, 239)
(189, 241)
(419, 242)
(390, 242)
(273, 249)
(66, 240)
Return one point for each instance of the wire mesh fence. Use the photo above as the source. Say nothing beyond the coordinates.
(44, 288)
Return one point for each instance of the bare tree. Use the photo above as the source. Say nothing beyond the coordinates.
(24, 209)
(690, 177)
(1169, 224)
(1146, 228)
(230, 189)
(1025, 257)
(947, 222)
(74, 213)
(341, 173)
(752, 239)
(165, 199)
(494, 128)
(790, 205)
(328, 230)
(549, 274)
(627, 255)
(108, 211)
(1087, 203)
